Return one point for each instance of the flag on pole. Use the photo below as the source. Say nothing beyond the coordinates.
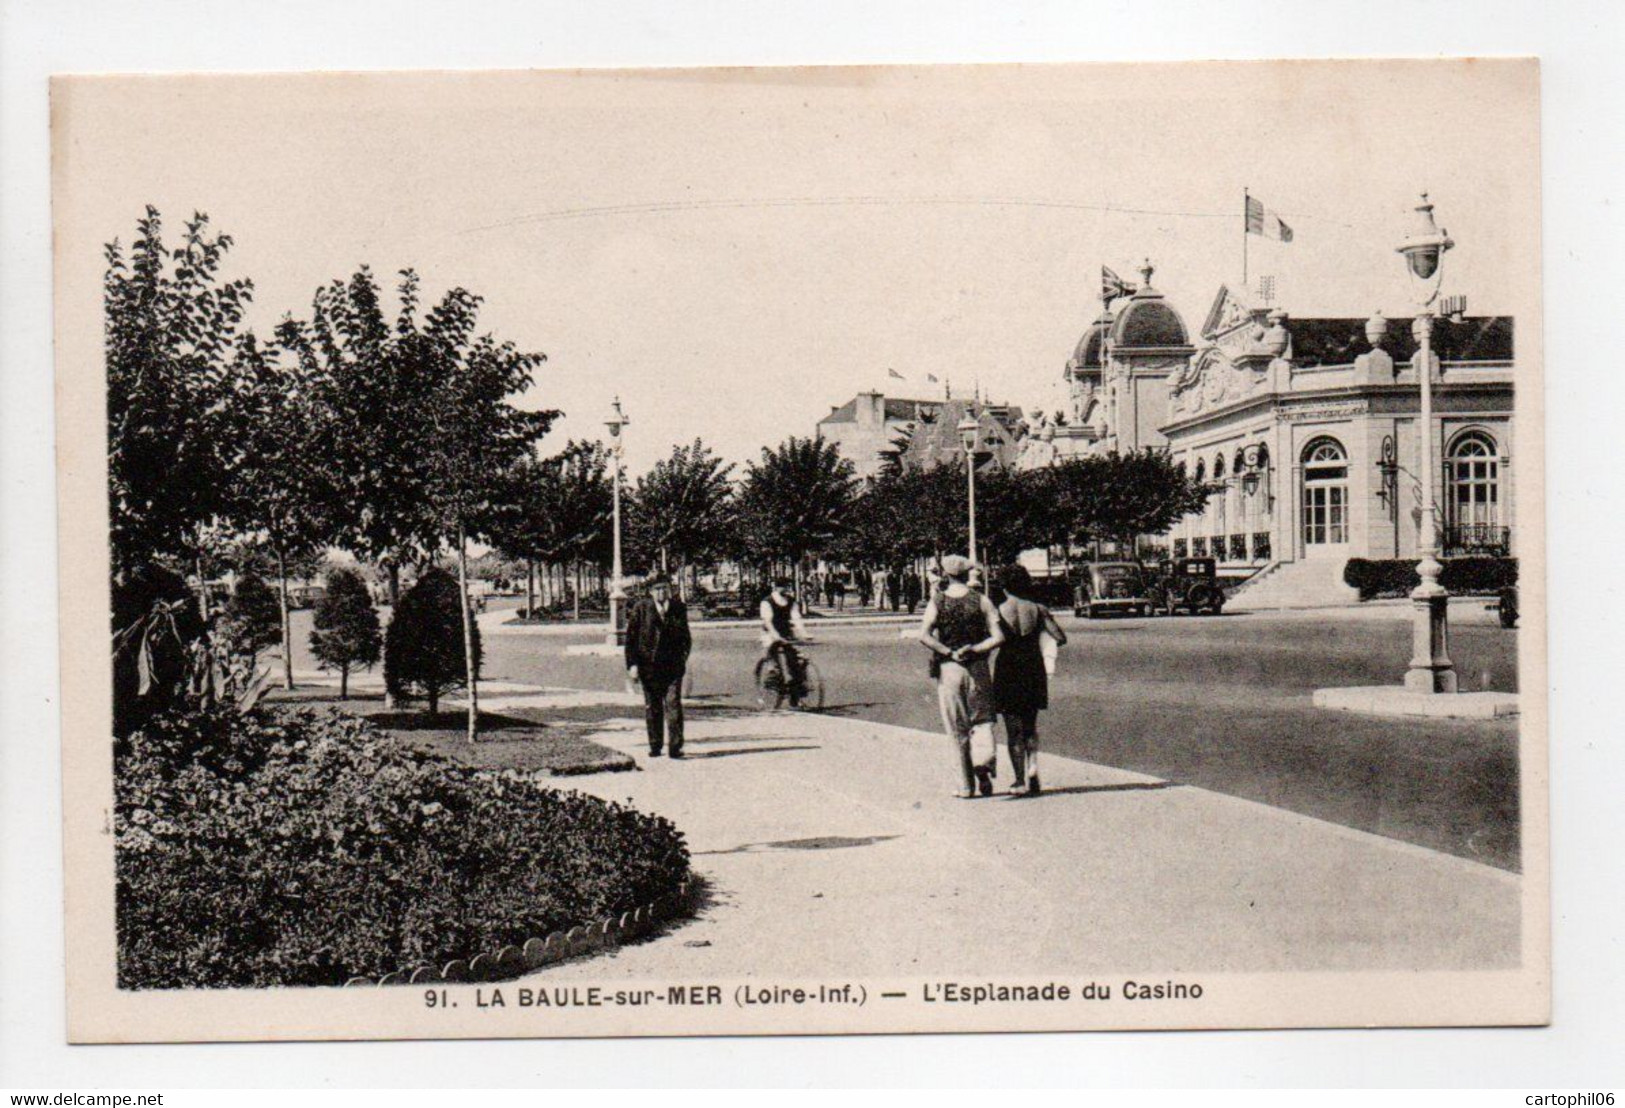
(1112, 286)
(1265, 223)
(892, 373)
(932, 377)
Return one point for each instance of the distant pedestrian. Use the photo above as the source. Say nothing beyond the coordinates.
(866, 586)
(837, 585)
(1020, 677)
(657, 647)
(894, 589)
(961, 628)
(911, 590)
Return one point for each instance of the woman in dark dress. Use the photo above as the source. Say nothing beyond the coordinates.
(1020, 680)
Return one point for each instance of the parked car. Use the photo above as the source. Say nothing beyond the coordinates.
(306, 596)
(1111, 587)
(1507, 606)
(1191, 584)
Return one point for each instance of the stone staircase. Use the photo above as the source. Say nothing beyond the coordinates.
(1303, 584)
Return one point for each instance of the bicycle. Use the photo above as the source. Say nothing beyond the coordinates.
(805, 689)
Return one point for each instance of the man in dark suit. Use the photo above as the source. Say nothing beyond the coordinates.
(657, 646)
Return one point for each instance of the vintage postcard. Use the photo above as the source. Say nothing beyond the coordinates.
(802, 551)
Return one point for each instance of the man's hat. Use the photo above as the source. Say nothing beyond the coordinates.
(656, 579)
(783, 583)
(956, 566)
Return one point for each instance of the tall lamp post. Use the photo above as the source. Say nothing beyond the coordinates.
(617, 593)
(969, 430)
(1431, 670)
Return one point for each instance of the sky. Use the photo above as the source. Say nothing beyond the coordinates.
(735, 252)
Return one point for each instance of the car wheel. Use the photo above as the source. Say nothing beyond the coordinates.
(1089, 611)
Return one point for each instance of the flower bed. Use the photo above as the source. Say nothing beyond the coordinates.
(305, 848)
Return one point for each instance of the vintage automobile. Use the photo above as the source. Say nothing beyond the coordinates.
(306, 596)
(1506, 606)
(1111, 587)
(1189, 584)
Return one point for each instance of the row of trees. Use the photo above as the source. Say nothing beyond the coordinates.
(395, 439)
(800, 501)
(401, 438)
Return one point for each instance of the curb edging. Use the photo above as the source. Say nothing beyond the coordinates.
(536, 953)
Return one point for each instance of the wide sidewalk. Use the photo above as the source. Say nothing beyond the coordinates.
(834, 841)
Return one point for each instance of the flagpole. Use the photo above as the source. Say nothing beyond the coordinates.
(1245, 295)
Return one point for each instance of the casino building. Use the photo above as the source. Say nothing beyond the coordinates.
(1305, 431)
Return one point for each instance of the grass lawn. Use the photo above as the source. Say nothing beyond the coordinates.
(516, 741)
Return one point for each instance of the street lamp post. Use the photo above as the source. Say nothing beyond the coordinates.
(968, 432)
(1431, 670)
(617, 594)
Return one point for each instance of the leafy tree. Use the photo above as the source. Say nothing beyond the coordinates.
(426, 646)
(797, 500)
(170, 326)
(1118, 497)
(283, 486)
(347, 632)
(1011, 512)
(682, 510)
(376, 379)
(472, 438)
(557, 509)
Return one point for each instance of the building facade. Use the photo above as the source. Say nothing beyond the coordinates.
(1305, 431)
(874, 431)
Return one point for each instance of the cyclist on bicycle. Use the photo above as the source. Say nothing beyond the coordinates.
(781, 627)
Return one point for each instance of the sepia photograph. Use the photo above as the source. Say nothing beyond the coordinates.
(807, 550)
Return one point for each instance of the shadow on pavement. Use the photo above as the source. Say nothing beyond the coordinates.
(822, 842)
(750, 750)
(1076, 790)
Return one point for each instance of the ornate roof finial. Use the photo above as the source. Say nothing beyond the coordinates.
(1146, 271)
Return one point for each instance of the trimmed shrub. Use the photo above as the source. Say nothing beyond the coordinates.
(255, 614)
(423, 650)
(1396, 577)
(307, 848)
(347, 632)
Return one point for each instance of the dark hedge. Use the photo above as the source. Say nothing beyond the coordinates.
(1396, 577)
(305, 848)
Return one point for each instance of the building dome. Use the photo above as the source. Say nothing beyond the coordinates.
(1147, 319)
(1087, 353)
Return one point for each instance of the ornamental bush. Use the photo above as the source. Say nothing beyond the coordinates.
(423, 650)
(307, 848)
(255, 614)
(347, 632)
(1396, 577)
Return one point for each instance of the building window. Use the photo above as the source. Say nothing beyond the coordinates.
(1180, 546)
(1325, 494)
(1473, 476)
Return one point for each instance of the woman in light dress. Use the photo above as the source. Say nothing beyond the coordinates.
(961, 629)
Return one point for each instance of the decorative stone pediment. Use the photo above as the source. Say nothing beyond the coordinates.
(1227, 315)
(1216, 379)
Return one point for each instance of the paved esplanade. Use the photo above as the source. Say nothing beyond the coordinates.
(835, 842)
(831, 840)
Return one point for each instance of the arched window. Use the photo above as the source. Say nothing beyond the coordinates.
(1325, 494)
(1201, 470)
(1239, 462)
(1473, 473)
(1218, 466)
